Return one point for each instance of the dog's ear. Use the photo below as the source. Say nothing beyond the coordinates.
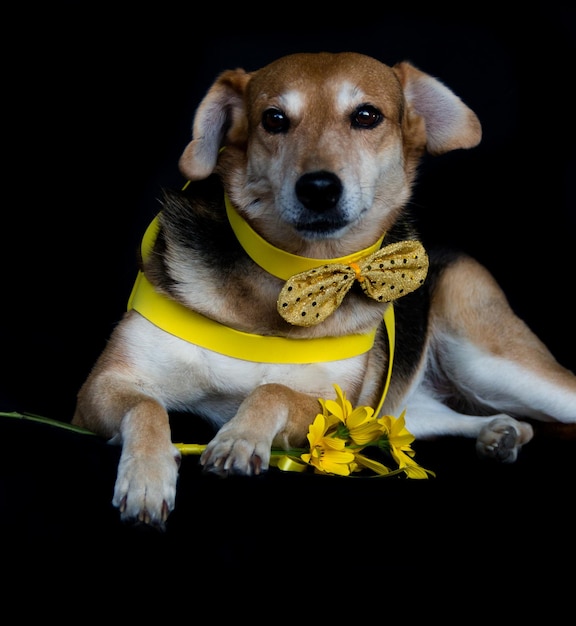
(219, 119)
(450, 124)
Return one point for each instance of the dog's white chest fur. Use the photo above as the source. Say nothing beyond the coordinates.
(188, 377)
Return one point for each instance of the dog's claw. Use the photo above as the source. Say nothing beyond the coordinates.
(144, 517)
(227, 456)
(256, 463)
(231, 458)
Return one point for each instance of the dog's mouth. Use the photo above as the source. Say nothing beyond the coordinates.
(324, 227)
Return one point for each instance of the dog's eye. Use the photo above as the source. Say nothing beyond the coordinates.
(366, 116)
(274, 121)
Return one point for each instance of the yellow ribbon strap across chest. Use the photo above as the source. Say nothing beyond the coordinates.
(310, 297)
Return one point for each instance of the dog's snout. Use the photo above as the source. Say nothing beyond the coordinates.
(319, 191)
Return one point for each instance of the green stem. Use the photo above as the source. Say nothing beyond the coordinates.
(46, 420)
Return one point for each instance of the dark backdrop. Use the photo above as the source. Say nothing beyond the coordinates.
(100, 103)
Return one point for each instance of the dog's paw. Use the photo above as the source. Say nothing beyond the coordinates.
(145, 490)
(228, 454)
(502, 438)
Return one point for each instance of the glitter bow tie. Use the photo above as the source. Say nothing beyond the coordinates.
(310, 297)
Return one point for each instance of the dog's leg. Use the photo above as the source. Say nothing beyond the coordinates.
(481, 351)
(145, 488)
(498, 437)
(271, 416)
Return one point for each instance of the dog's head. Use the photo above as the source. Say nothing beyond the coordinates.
(324, 147)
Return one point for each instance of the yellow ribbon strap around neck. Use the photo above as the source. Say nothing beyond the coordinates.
(310, 297)
(276, 261)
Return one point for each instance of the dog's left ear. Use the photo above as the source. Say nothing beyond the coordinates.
(450, 124)
(219, 119)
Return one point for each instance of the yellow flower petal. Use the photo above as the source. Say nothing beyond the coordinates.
(335, 462)
(335, 409)
(334, 443)
(370, 464)
(316, 430)
(359, 416)
(412, 469)
(366, 433)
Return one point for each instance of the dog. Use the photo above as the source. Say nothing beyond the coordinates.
(306, 163)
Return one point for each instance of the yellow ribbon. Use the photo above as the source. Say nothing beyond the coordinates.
(276, 261)
(309, 297)
(180, 321)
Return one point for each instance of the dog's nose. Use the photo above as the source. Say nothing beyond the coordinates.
(319, 191)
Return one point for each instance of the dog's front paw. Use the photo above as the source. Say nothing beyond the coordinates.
(145, 490)
(233, 453)
(502, 438)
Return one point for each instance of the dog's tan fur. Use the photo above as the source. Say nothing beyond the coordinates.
(478, 367)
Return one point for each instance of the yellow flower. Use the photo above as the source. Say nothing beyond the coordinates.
(398, 441)
(357, 424)
(412, 469)
(398, 435)
(327, 453)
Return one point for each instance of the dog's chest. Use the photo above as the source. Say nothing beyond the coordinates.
(188, 377)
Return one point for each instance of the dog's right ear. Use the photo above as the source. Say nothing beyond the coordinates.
(219, 120)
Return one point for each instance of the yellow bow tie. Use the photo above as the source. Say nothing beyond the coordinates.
(310, 297)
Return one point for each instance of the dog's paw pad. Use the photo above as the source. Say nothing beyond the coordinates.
(502, 438)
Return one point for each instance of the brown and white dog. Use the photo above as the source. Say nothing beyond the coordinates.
(312, 157)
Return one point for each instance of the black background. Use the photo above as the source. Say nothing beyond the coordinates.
(99, 104)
